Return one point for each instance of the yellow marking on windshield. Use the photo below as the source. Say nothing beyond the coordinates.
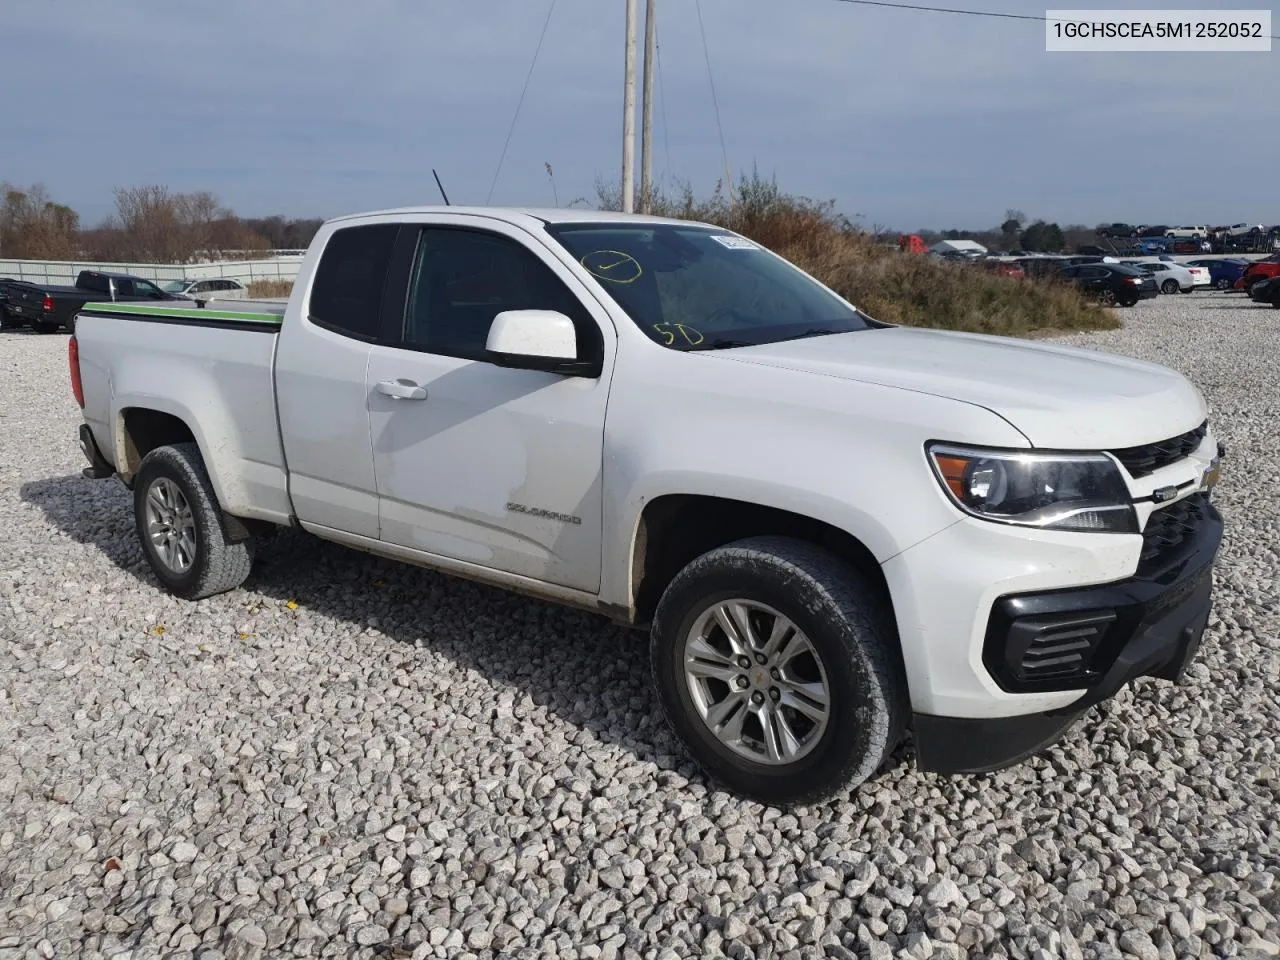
(613, 266)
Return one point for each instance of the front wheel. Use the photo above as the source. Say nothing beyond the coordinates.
(1169, 286)
(1222, 283)
(777, 665)
(180, 526)
(1107, 297)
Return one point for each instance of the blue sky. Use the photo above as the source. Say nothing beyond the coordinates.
(317, 108)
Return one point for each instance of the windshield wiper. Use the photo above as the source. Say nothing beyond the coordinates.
(816, 332)
(721, 344)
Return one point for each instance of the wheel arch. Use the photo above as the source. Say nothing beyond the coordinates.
(674, 529)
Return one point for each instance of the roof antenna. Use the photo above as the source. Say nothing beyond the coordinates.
(441, 186)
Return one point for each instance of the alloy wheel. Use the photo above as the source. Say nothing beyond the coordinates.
(171, 525)
(757, 682)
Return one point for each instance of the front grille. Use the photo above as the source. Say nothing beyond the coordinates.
(1150, 457)
(1168, 530)
(1055, 648)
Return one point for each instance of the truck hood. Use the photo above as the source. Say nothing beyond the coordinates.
(1058, 397)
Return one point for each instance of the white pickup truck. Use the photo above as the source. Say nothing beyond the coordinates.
(836, 530)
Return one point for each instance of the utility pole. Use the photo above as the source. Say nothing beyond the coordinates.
(629, 116)
(646, 129)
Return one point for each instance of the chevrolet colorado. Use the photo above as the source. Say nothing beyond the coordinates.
(835, 530)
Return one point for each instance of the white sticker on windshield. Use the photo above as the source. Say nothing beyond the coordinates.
(734, 243)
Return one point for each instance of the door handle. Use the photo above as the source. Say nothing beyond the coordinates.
(402, 390)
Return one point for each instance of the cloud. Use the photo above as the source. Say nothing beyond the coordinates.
(327, 107)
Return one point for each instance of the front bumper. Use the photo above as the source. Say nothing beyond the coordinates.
(1150, 625)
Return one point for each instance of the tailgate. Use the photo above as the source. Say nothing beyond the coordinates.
(25, 301)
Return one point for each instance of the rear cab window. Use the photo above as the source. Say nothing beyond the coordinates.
(93, 282)
(348, 290)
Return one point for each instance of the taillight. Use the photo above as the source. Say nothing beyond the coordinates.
(47, 306)
(73, 360)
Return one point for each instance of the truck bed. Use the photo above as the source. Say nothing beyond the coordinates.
(210, 368)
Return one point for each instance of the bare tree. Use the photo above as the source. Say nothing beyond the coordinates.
(32, 226)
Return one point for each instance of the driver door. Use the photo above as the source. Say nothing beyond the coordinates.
(491, 465)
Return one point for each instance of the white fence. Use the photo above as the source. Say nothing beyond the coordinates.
(64, 271)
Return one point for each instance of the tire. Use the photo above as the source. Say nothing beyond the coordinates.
(1253, 287)
(44, 326)
(169, 478)
(846, 641)
(1169, 286)
(1107, 297)
(1222, 283)
(1129, 303)
(7, 322)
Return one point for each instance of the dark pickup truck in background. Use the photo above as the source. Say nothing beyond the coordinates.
(46, 308)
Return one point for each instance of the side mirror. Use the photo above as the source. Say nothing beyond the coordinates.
(537, 340)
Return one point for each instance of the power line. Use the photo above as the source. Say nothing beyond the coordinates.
(715, 101)
(966, 13)
(520, 103)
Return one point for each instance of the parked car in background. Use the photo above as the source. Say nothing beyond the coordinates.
(1090, 250)
(1258, 271)
(1041, 267)
(1169, 277)
(1112, 282)
(1266, 291)
(1185, 246)
(1003, 268)
(207, 289)
(1080, 258)
(1158, 230)
(46, 308)
(1117, 230)
(1243, 229)
(1201, 279)
(1223, 272)
(1195, 233)
(4, 301)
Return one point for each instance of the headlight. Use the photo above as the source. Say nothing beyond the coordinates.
(1055, 491)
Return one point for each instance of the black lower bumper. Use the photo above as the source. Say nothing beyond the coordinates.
(1153, 628)
(99, 468)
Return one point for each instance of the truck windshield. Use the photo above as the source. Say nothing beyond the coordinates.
(698, 288)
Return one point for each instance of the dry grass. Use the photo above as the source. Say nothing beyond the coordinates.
(894, 287)
(266, 289)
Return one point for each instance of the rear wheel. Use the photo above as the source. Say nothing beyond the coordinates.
(180, 526)
(776, 664)
(1254, 285)
(44, 326)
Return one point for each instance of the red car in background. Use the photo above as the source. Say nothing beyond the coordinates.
(1259, 271)
(1003, 268)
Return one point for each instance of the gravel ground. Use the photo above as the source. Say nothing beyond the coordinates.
(351, 758)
